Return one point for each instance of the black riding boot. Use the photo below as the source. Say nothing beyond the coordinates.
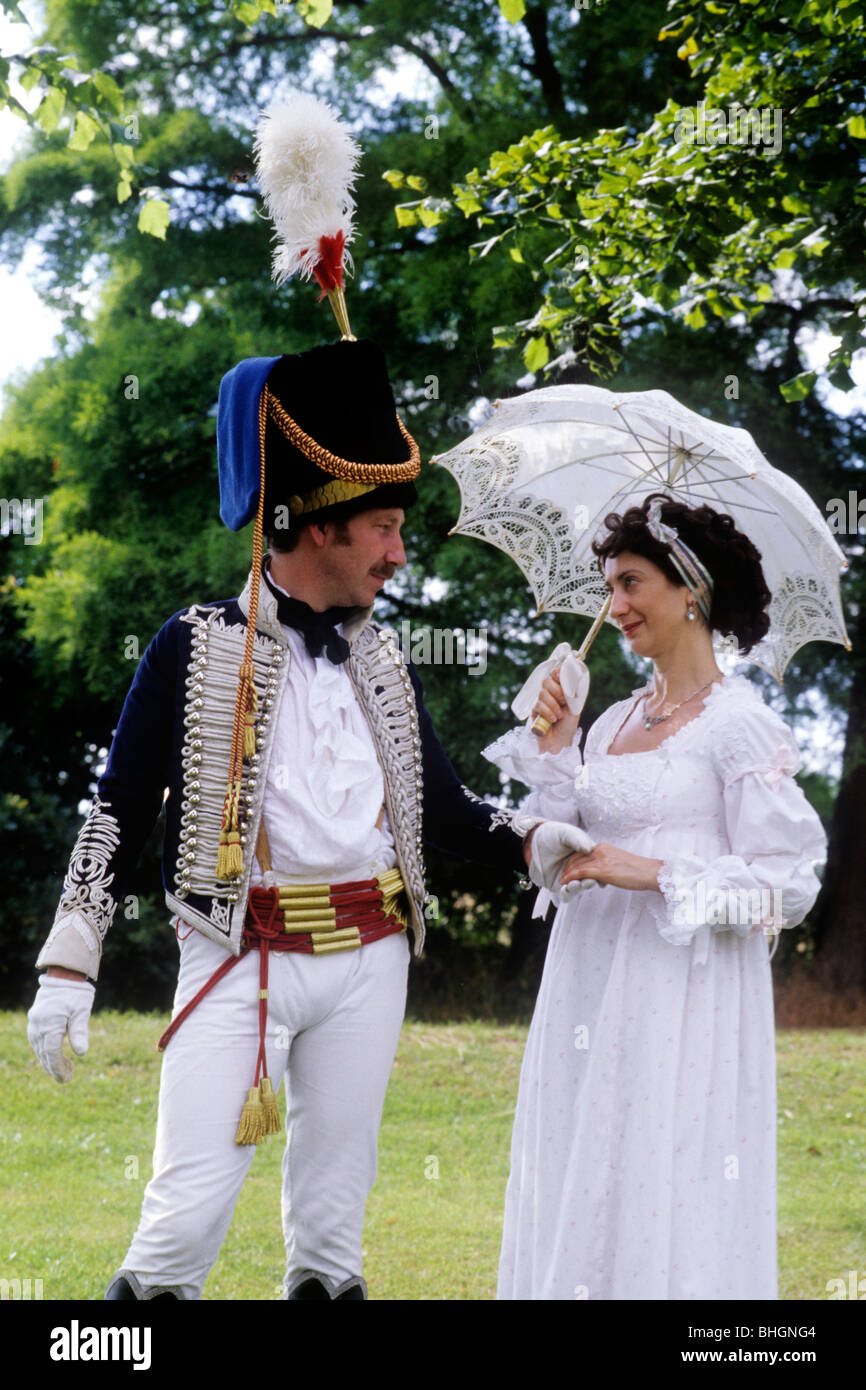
(125, 1288)
(308, 1285)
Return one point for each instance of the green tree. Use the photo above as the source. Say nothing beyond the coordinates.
(755, 169)
(131, 526)
(740, 202)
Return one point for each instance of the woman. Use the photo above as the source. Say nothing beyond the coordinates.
(644, 1145)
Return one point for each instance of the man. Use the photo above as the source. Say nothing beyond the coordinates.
(303, 777)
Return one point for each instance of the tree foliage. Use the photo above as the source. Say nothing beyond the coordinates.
(736, 198)
(81, 82)
(116, 434)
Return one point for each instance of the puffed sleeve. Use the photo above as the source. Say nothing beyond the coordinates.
(768, 879)
(550, 776)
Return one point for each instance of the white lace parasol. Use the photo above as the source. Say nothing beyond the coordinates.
(538, 479)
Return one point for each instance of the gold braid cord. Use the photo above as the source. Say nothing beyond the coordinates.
(230, 863)
(375, 474)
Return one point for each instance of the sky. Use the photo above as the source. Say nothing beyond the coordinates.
(28, 325)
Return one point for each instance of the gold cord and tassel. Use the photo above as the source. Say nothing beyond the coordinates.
(352, 479)
(260, 1115)
(251, 1129)
(230, 862)
(272, 1122)
(251, 700)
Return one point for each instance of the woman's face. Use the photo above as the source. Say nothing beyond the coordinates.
(646, 606)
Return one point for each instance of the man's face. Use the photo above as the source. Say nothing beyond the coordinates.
(358, 557)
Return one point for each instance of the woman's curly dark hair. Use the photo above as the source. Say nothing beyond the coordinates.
(740, 593)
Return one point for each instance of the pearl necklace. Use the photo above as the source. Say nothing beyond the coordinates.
(650, 723)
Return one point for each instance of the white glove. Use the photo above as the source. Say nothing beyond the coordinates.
(573, 676)
(553, 844)
(60, 1006)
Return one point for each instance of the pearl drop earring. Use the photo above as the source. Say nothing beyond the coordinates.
(690, 616)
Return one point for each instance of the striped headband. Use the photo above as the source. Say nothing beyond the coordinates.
(695, 575)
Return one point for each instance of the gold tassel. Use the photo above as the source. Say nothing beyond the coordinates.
(251, 1127)
(230, 860)
(222, 867)
(273, 1124)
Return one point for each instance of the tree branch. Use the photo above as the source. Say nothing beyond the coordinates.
(543, 66)
(435, 67)
(798, 314)
(462, 107)
(223, 189)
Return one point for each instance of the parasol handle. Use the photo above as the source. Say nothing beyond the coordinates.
(542, 726)
(594, 630)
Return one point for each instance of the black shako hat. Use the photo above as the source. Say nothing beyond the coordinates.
(333, 436)
(321, 427)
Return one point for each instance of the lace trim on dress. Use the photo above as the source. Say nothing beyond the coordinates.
(667, 886)
(669, 907)
(687, 912)
(605, 731)
(517, 754)
(677, 932)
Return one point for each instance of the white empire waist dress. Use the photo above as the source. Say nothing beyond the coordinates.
(643, 1161)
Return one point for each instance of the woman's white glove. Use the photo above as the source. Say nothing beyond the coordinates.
(553, 844)
(573, 676)
(61, 1006)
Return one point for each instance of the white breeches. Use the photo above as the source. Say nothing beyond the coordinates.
(333, 1026)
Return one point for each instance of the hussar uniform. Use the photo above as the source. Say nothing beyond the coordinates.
(300, 777)
(299, 742)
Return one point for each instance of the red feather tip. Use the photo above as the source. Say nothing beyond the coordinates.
(328, 270)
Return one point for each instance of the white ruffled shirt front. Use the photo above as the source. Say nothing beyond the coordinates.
(324, 798)
(643, 1155)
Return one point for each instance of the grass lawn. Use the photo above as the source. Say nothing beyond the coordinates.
(75, 1160)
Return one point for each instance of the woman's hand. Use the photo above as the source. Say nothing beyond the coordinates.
(619, 867)
(552, 706)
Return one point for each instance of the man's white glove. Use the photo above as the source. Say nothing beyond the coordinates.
(60, 1006)
(553, 844)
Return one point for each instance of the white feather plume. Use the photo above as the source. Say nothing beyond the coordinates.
(306, 162)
